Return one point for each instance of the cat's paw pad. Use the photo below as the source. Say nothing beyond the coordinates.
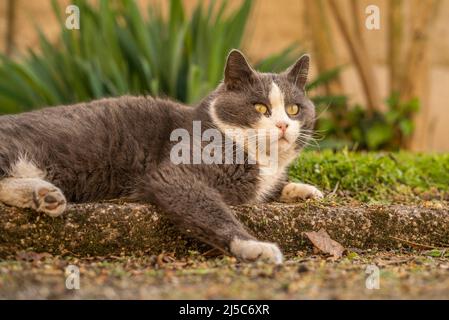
(293, 192)
(251, 250)
(50, 201)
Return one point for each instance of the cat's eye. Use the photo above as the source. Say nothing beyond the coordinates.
(292, 109)
(261, 108)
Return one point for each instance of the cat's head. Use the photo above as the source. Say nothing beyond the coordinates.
(277, 103)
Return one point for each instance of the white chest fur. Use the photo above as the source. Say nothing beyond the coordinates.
(267, 183)
(269, 178)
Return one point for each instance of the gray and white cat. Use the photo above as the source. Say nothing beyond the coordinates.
(120, 147)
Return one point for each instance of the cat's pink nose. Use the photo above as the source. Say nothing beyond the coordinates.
(282, 126)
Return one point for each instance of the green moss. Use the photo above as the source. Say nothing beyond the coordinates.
(438, 253)
(373, 177)
(352, 255)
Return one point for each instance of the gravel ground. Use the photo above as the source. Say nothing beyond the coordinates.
(403, 274)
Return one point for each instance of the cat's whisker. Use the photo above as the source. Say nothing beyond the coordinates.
(322, 111)
(313, 136)
(309, 141)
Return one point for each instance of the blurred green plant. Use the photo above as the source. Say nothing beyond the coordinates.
(358, 129)
(117, 51)
(342, 126)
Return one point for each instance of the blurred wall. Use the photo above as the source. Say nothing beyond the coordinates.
(277, 23)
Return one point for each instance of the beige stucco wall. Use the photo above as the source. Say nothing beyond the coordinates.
(274, 24)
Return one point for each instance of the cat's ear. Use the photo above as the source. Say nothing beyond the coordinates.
(299, 71)
(237, 72)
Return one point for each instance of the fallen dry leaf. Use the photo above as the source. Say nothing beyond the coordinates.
(164, 258)
(322, 241)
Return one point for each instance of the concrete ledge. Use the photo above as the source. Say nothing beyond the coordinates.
(102, 229)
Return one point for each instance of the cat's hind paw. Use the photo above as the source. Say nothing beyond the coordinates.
(252, 250)
(293, 192)
(49, 200)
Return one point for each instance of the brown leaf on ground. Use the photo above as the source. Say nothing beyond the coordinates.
(323, 242)
(164, 258)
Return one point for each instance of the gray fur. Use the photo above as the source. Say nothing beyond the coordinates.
(119, 147)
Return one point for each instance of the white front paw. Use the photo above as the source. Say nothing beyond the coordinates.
(252, 250)
(293, 192)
